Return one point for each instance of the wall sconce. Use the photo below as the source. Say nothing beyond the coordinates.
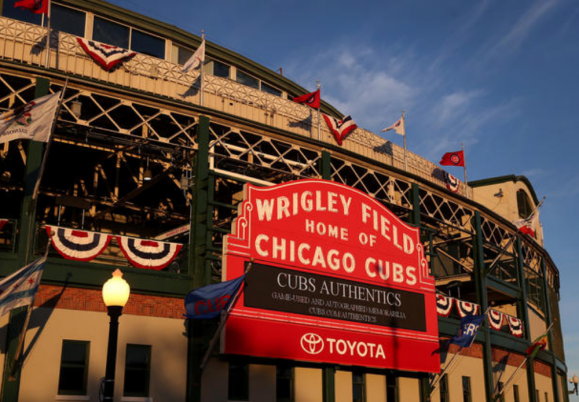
(76, 108)
(575, 381)
(500, 193)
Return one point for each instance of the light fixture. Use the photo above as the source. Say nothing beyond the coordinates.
(575, 381)
(148, 175)
(76, 108)
(116, 292)
(500, 193)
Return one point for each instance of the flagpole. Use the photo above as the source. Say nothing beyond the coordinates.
(202, 76)
(48, 35)
(319, 116)
(14, 365)
(464, 167)
(512, 377)
(405, 159)
(224, 319)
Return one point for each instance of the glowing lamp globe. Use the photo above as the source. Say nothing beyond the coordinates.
(116, 290)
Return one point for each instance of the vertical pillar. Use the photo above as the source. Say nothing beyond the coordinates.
(524, 315)
(549, 320)
(481, 290)
(329, 384)
(197, 331)
(326, 166)
(415, 214)
(26, 230)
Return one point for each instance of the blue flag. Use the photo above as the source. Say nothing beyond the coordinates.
(19, 289)
(468, 329)
(209, 301)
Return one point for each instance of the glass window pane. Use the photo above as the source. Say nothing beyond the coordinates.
(270, 90)
(184, 55)
(17, 13)
(238, 387)
(137, 370)
(110, 33)
(283, 386)
(67, 20)
(221, 70)
(73, 368)
(147, 44)
(248, 80)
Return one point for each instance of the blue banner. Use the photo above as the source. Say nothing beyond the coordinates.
(209, 301)
(468, 329)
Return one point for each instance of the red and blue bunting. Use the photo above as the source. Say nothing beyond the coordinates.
(495, 319)
(148, 254)
(444, 305)
(466, 308)
(79, 245)
(515, 325)
(2, 223)
(106, 55)
(452, 183)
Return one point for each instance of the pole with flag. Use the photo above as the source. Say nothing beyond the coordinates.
(464, 167)
(400, 128)
(539, 344)
(468, 329)
(197, 60)
(530, 223)
(319, 116)
(18, 290)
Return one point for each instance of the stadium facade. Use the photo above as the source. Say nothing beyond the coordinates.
(144, 152)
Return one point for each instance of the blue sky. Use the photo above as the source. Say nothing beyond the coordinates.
(499, 76)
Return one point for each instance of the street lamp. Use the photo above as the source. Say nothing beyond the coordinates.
(574, 380)
(115, 295)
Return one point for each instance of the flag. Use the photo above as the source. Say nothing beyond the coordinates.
(197, 59)
(528, 226)
(32, 121)
(311, 99)
(35, 6)
(398, 127)
(19, 289)
(453, 159)
(340, 128)
(539, 344)
(468, 329)
(107, 56)
(209, 301)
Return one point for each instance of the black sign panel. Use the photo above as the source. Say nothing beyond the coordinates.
(291, 291)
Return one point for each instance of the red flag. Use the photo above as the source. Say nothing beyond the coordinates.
(453, 159)
(35, 6)
(539, 344)
(311, 99)
(340, 128)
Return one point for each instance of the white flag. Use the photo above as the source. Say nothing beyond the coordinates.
(19, 289)
(398, 127)
(197, 59)
(32, 121)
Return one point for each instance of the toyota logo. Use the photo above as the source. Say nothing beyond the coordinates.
(312, 343)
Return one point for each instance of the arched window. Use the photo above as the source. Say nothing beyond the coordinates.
(524, 204)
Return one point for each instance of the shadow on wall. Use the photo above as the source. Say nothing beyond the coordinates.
(385, 148)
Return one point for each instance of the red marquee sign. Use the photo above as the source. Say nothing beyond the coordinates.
(334, 277)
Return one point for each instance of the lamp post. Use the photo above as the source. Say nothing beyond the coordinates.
(575, 381)
(115, 295)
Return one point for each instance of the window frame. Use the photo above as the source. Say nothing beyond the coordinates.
(359, 380)
(281, 374)
(85, 366)
(86, 17)
(444, 392)
(466, 389)
(244, 369)
(146, 370)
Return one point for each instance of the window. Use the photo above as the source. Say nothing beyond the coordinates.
(546, 397)
(111, 33)
(516, 393)
(502, 397)
(466, 393)
(137, 370)
(238, 388)
(537, 399)
(67, 20)
(73, 368)
(443, 389)
(392, 388)
(248, 80)
(358, 387)
(284, 384)
(180, 55)
(147, 44)
(17, 13)
(269, 89)
(524, 205)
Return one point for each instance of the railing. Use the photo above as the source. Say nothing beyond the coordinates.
(25, 43)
